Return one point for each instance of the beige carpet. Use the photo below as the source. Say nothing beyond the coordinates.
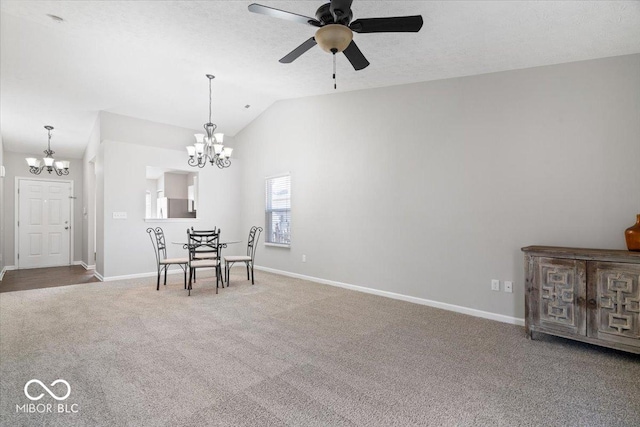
(290, 352)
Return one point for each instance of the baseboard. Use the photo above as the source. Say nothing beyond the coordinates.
(98, 276)
(5, 269)
(436, 304)
(87, 267)
(140, 275)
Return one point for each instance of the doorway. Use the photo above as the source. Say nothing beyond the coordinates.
(44, 236)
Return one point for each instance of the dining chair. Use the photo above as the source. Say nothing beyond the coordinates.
(204, 252)
(252, 242)
(160, 248)
(206, 255)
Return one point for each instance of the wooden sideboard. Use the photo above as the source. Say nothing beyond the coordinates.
(590, 295)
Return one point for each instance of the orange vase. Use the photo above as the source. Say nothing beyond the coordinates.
(632, 234)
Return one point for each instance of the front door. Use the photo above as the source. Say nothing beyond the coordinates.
(44, 225)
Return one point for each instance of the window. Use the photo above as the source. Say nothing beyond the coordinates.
(278, 210)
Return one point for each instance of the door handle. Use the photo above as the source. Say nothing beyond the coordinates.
(66, 228)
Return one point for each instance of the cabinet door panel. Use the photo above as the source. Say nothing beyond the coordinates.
(614, 302)
(559, 286)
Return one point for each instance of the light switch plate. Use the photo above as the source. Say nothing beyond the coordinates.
(119, 215)
(495, 285)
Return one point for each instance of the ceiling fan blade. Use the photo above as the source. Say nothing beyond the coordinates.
(398, 24)
(340, 9)
(295, 53)
(282, 14)
(357, 59)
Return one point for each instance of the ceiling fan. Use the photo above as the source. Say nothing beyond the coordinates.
(335, 29)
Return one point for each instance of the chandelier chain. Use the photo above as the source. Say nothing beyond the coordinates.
(210, 78)
(49, 140)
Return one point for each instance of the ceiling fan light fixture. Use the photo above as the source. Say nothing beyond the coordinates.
(334, 38)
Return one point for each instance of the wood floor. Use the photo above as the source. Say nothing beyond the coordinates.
(36, 278)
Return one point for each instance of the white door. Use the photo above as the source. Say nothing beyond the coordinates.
(44, 223)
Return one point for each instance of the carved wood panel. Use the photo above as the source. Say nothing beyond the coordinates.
(614, 302)
(560, 285)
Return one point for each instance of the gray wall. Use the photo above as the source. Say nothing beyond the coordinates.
(16, 166)
(125, 244)
(431, 189)
(175, 185)
(2, 260)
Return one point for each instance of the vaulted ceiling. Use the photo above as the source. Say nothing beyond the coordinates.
(148, 59)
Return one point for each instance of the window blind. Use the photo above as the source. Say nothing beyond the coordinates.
(278, 210)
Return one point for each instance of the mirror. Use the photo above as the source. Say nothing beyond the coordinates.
(171, 193)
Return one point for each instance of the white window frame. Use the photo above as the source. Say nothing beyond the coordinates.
(268, 212)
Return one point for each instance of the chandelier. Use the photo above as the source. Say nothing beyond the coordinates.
(60, 167)
(209, 147)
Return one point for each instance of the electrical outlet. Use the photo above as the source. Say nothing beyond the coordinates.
(508, 286)
(304, 258)
(495, 285)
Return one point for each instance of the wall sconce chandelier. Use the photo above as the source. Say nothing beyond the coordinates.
(209, 147)
(49, 163)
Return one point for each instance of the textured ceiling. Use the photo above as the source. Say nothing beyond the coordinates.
(147, 59)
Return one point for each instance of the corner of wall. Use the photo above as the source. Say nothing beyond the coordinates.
(2, 184)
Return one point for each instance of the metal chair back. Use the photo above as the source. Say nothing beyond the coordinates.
(252, 241)
(157, 240)
(203, 243)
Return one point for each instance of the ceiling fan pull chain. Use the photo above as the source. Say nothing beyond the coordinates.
(335, 86)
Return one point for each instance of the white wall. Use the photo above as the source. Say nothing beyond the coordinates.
(126, 246)
(431, 189)
(89, 195)
(16, 166)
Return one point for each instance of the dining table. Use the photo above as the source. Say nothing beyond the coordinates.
(222, 244)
